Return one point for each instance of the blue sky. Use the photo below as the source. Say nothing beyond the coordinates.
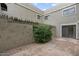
(44, 6)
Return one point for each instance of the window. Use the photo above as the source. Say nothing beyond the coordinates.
(46, 17)
(3, 7)
(69, 11)
(38, 16)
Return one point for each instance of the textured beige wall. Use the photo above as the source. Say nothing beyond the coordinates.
(31, 7)
(77, 11)
(16, 10)
(14, 34)
(20, 12)
(57, 18)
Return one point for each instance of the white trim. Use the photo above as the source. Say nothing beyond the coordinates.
(77, 21)
(69, 24)
(77, 31)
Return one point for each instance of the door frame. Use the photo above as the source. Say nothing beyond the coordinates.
(69, 24)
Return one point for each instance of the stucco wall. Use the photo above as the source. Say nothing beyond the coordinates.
(16, 10)
(14, 34)
(57, 18)
(77, 10)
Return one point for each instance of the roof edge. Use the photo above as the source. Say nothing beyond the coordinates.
(59, 7)
(30, 7)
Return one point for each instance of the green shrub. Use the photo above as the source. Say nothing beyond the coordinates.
(42, 33)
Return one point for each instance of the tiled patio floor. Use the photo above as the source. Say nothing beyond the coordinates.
(58, 47)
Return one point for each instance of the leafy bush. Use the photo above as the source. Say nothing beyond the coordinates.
(42, 33)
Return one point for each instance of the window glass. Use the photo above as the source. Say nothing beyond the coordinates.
(68, 12)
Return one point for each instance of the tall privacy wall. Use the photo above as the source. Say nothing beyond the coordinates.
(14, 34)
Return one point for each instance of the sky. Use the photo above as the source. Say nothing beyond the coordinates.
(44, 6)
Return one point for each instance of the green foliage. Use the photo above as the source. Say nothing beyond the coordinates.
(42, 33)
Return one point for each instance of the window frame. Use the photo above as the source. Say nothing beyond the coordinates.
(69, 11)
(3, 7)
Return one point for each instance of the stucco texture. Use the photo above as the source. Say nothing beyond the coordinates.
(14, 34)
